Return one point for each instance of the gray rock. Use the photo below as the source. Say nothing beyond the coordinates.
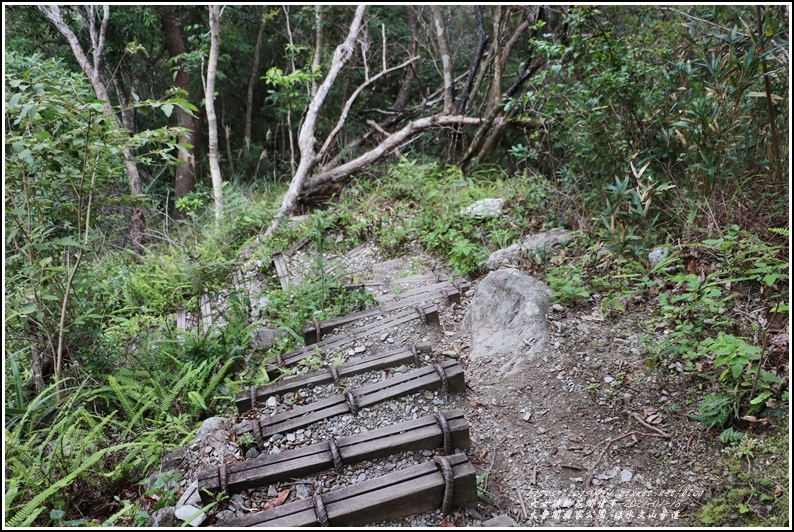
(164, 517)
(272, 491)
(401, 369)
(302, 490)
(251, 453)
(499, 521)
(359, 349)
(507, 320)
(225, 515)
(271, 402)
(657, 255)
(190, 496)
(185, 513)
(544, 242)
(485, 208)
(625, 476)
(264, 338)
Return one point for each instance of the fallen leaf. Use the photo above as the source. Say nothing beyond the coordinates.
(751, 419)
(778, 490)
(476, 402)
(446, 522)
(648, 410)
(772, 403)
(278, 500)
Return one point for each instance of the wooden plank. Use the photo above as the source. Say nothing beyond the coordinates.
(459, 285)
(281, 269)
(399, 494)
(327, 326)
(181, 319)
(413, 381)
(298, 246)
(328, 343)
(422, 433)
(206, 312)
(353, 367)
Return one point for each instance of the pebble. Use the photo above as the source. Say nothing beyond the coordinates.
(290, 437)
(390, 340)
(451, 354)
(360, 349)
(272, 402)
(251, 453)
(625, 476)
(608, 379)
(302, 490)
(361, 477)
(541, 430)
(401, 369)
(277, 436)
(527, 416)
(383, 337)
(272, 491)
(557, 307)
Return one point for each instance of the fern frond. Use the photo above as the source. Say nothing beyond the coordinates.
(216, 379)
(121, 395)
(30, 511)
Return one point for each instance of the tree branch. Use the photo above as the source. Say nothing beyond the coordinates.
(343, 116)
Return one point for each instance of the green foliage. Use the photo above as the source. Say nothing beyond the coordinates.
(759, 492)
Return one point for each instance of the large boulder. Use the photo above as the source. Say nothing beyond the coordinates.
(507, 320)
(543, 242)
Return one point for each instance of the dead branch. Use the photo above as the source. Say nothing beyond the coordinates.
(609, 444)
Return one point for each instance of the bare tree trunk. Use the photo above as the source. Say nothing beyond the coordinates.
(318, 47)
(212, 122)
(249, 108)
(445, 58)
(402, 96)
(306, 139)
(483, 37)
(92, 71)
(185, 173)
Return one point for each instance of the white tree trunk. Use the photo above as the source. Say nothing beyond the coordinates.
(306, 140)
(91, 70)
(212, 122)
(446, 61)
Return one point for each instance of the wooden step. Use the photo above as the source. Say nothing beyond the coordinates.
(353, 367)
(447, 375)
(313, 332)
(424, 433)
(281, 269)
(426, 312)
(459, 285)
(410, 491)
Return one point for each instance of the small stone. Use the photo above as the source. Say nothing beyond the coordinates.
(272, 491)
(390, 340)
(401, 369)
(557, 308)
(608, 379)
(427, 453)
(438, 402)
(541, 430)
(383, 337)
(361, 477)
(253, 452)
(237, 499)
(186, 512)
(527, 416)
(450, 354)
(500, 521)
(290, 437)
(302, 490)
(271, 402)
(449, 333)
(428, 395)
(350, 352)
(277, 436)
(625, 476)
(656, 256)
(360, 349)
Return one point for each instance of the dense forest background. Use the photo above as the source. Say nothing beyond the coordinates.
(151, 150)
